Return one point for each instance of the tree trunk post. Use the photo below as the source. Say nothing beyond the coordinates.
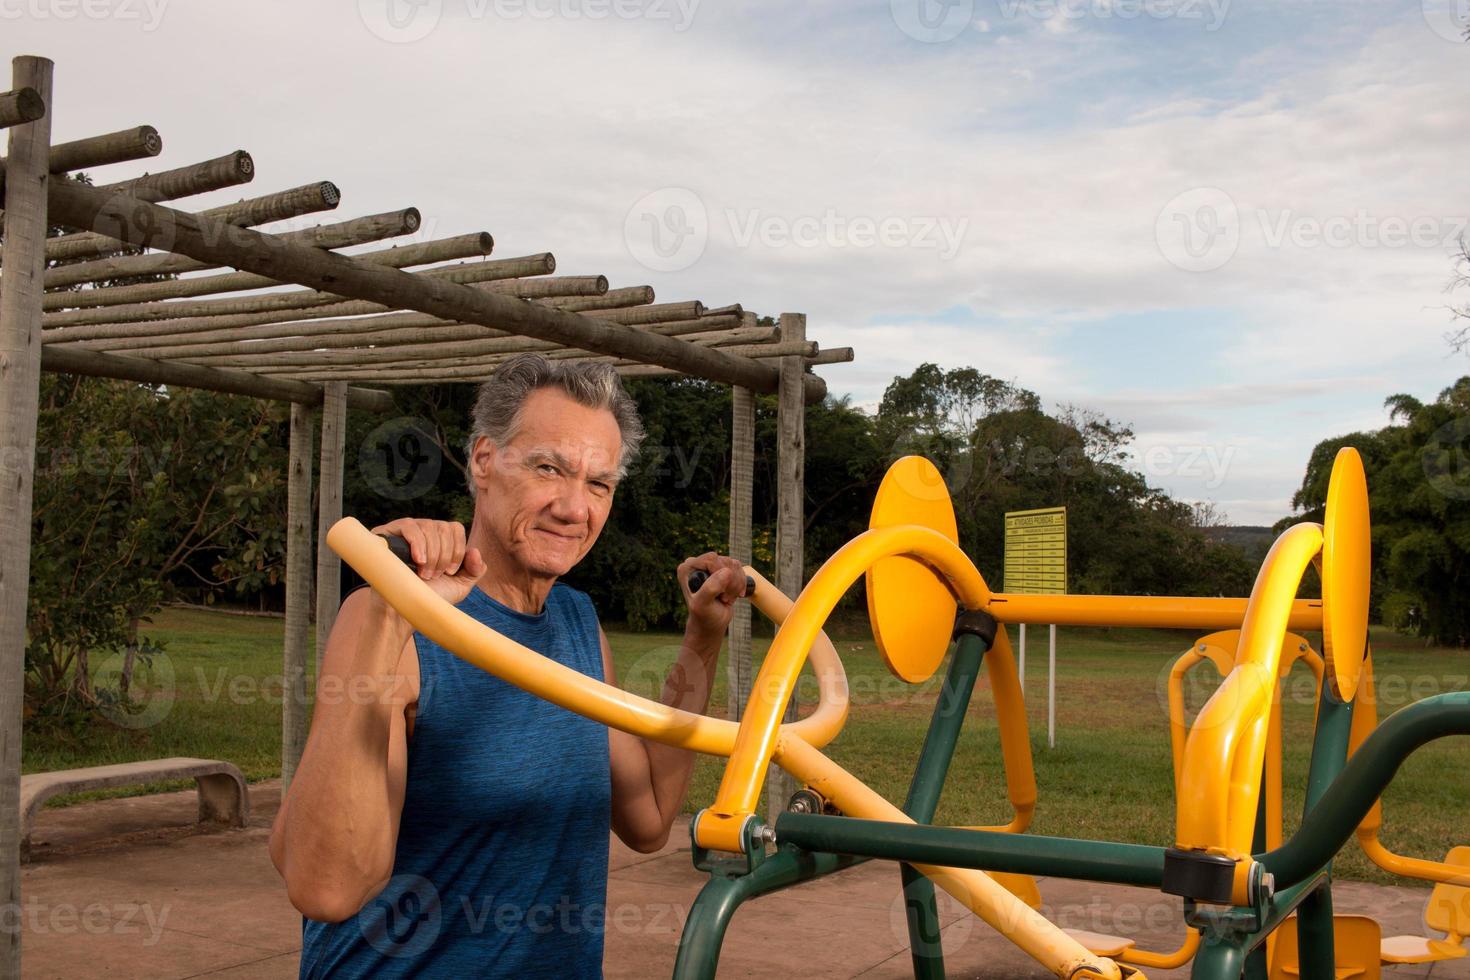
(298, 593)
(790, 510)
(28, 166)
(329, 512)
(742, 482)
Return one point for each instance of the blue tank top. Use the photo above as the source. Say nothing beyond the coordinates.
(501, 866)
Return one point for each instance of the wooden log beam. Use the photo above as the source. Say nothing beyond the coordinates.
(138, 143)
(306, 199)
(490, 270)
(100, 365)
(294, 307)
(396, 328)
(752, 342)
(472, 245)
(612, 299)
(20, 106)
(302, 334)
(20, 373)
(142, 223)
(341, 234)
(230, 170)
(831, 355)
(410, 350)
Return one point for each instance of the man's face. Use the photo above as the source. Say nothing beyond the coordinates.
(545, 495)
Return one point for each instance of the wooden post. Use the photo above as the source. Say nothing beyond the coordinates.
(20, 373)
(742, 483)
(329, 512)
(298, 594)
(790, 511)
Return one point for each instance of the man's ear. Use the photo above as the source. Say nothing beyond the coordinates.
(482, 459)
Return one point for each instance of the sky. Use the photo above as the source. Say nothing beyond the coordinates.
(1229, 225)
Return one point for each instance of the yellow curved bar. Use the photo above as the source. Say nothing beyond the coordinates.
(1164, 961)
(1015, 741)
(476, 643)
(1220, 785)
(719, 826)
(1159, 612)
(1365, 719)
(1030, 930)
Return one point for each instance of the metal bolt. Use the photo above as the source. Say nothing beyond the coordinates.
(768, 834)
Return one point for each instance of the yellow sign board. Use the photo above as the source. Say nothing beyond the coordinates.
(1036, 551)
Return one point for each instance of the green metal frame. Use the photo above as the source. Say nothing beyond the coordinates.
(1340, 792)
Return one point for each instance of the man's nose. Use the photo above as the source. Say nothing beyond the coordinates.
(571, 504)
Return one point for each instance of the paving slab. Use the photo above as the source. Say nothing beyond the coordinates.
(134, 888)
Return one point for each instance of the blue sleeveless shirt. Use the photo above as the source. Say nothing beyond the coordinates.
(501, 866)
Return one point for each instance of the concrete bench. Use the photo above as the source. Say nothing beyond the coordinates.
(223, 797)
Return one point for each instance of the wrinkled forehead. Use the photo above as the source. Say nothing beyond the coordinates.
(568, 433)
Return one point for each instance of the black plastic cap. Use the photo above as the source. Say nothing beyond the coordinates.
(1198, 875)
(976, 622)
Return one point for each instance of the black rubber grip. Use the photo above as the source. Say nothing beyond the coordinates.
(699, 576)
(400, 549)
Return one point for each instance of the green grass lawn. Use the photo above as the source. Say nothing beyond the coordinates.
(1109, 776)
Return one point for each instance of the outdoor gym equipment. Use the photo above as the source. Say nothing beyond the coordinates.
(924, 593)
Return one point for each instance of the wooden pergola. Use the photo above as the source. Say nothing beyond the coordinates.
(329, 323)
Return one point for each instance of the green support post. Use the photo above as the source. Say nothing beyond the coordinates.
(922, 913)
(709, 917)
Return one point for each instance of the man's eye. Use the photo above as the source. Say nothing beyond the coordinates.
(601, 488)
(547, 468)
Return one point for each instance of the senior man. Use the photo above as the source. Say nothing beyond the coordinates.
(443, 823)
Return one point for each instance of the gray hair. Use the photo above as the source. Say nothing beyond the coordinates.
(497, 411)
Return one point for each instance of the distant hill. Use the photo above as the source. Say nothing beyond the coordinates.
(1254, 540)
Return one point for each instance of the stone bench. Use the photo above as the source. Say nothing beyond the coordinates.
(223, 797)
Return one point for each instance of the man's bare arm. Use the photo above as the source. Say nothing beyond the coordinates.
(336, 833)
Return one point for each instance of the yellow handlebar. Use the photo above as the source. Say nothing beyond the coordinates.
(476, 643)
